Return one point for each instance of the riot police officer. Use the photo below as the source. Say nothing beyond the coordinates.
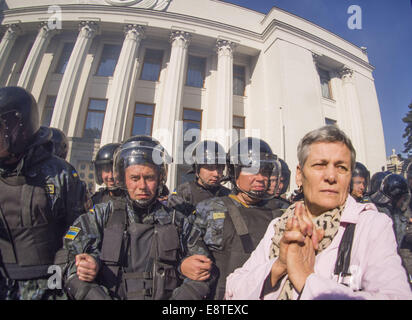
(129, 247)
(209, 160)
(41, 195)
(393, 199)
(228, 229)
(103, 172)
(360, 182)
(60, 143)
(279, 183)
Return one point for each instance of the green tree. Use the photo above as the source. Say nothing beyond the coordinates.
(408, 131)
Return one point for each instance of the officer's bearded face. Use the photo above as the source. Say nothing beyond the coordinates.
(142, 182)
(211, 174)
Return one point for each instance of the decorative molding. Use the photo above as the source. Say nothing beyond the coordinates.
(13, 30)
(180, 38)
(159, 5)
(225, 47)
(346, 73)
(134, 32)
(88, 29)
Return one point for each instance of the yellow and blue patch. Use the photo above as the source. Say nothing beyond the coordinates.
(72, 233)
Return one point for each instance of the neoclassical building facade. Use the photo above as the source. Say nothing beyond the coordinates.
(104, 70)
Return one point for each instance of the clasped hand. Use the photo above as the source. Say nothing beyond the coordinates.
(297, 249)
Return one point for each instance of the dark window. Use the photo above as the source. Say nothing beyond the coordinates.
(152, 65)
(325, 83)
(64, 57)
(48, 110)
(330, 121)
(239, 82)
(238, 124)
(95, 118)
(192, 119)
(26, 55)
(143, 119)
(196, 72)
(108, 60)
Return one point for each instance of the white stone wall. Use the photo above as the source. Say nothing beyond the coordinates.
(279, 51)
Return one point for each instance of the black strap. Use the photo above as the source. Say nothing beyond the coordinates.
(344, 251)
(240, 225)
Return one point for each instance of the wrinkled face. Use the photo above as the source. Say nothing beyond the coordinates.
(325, 176)
(141, 182)
(107, 176)
(248, 180)
(359, 187)
(211, 174)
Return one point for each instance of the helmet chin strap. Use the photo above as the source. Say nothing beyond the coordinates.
(255, 196)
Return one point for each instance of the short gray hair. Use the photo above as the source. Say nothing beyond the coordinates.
(328, 133)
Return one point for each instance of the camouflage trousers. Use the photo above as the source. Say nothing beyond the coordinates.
(29, 290)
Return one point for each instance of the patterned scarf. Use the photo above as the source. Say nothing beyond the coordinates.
(328, 221)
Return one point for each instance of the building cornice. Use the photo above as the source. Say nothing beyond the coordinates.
(217, 26)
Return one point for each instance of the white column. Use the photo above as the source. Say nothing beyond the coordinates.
(121, 86)
(34, 58)
(223, 108)
(7, 43)
(353, 113)
(68, 85)
(171, 102)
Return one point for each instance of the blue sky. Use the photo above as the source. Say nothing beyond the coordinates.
(386, 32)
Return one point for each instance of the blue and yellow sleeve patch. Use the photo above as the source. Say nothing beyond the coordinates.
(72, 233)
(74, 173)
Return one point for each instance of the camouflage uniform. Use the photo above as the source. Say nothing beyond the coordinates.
(65, 196)
(87, 233)
(214, 235)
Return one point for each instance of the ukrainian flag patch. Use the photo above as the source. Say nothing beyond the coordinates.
(74, 173)
(218, 215)
(72, 233)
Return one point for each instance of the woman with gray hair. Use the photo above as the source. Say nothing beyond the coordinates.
(327, 246)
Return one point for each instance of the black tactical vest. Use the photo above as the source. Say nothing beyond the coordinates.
(139, 260)
(242, 231)
(103, 195)
(29, 237)
(198, 193)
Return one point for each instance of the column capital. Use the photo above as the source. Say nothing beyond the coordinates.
(134, 31)
(180, 38)
(88, 29)
(13, 30)
(45, 30)
(225, 47)
(346, 73)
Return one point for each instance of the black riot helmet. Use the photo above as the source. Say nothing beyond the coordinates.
(104, 160)
(285, 174)
(393, 191)
(361, 171)
(376, 181)
(60, 143)
(207, 152)
(19, 120)
(137, 150)
(255, 156)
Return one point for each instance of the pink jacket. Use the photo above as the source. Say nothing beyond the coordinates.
(375, 265)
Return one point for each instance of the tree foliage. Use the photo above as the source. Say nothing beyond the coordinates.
(408, 131)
